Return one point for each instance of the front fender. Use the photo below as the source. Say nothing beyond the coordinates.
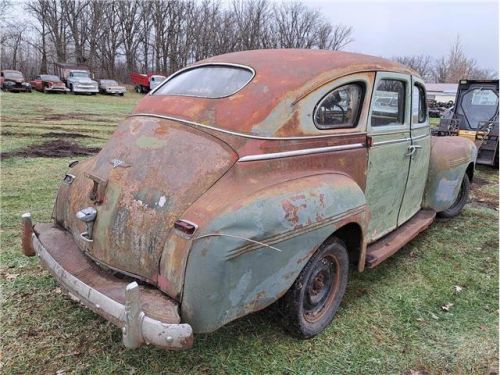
(450, 158)
(252, 252)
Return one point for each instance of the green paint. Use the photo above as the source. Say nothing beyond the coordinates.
(149, 142)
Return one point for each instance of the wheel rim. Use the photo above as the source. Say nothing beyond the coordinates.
(321, 288)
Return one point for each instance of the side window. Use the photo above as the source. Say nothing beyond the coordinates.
(340, 108)
(419, 105)
(388, 103)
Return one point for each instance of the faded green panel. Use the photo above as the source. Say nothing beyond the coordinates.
(417, 177)
(388, 166)
(419, 163)
(228, 275)
(449, 160)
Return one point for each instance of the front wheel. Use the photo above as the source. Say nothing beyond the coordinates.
(314, 298)
(462, 198)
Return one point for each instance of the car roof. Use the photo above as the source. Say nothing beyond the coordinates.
(282, 78)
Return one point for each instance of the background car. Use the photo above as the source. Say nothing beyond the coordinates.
(111, 87)
(13, 80)
(49, 83)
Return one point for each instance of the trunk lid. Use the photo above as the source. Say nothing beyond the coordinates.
(147, 175)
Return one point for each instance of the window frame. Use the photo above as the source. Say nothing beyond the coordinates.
(172, 76)
(406, 83)
(421, 90)
(360, 84)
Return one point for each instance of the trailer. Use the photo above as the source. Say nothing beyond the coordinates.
(146, 82)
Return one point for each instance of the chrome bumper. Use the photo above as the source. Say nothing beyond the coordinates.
(137, 327)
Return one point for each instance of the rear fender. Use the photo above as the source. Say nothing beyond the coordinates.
(252, 252)
(450, 159)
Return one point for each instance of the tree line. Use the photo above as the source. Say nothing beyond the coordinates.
(115, 37)
(451, 68)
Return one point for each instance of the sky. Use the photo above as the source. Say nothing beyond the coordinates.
(402, 28)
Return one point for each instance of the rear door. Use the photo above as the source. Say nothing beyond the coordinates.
(388, 162)
(419, 151)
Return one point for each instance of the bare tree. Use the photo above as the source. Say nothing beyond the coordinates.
(422, 64)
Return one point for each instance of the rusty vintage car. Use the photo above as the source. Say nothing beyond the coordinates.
(13, 81)
(245, 179)
(49, 83)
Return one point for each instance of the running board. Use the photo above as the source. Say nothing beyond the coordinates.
(383, 248)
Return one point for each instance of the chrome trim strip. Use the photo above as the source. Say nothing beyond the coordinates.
(243, 134)
(194, 66)
(420, 137)
(391, 141)
(375, 134)
(307, 151)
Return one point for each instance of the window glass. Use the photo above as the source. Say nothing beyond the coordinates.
(480, 104)
(339, 108)
(213, 81)
(388, 103)
(419, 106)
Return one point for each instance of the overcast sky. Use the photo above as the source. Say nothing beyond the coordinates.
(396, 28)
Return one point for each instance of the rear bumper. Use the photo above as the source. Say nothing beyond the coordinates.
(145, 315)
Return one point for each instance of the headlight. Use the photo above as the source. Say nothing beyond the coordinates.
(26, 84)
(9, 83)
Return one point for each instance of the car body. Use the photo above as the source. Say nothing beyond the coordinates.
(111, 87)
(13, 80)
(49, 83)
(245, 179)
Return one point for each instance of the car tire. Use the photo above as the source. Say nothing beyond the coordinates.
(462, 198)
(314, 298)
(138, 89)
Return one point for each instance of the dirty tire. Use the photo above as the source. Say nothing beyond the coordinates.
(462, 198)
(314, 298)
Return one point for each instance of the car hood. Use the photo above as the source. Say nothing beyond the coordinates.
(55, 83)
(83, 80)
(148, 174)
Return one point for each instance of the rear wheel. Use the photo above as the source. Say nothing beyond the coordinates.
(462, 198)
(314, 298)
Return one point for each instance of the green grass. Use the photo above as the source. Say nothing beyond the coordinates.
(390, 322)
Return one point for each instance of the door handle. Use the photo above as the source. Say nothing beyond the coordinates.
(412, 149)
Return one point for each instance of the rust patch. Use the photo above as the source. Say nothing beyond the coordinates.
(292, 211)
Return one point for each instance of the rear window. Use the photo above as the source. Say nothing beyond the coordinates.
(212, 81)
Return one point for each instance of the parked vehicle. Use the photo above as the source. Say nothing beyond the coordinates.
(146, 82)
(77, 78)
(13, 80)
(111, 87)
(475, 116)
(246, 178)
(49, 83)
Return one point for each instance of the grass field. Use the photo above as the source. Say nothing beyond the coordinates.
(391, 321)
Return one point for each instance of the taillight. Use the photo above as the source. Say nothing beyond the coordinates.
(185, 227)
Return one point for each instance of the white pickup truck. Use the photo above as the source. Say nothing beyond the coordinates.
(77, 78)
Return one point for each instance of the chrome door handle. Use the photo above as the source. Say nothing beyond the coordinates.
(412, 149)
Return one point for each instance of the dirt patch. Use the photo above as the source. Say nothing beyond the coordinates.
(58, 148)
(64, 135)
(480, 181)
(484, 199)
(93, 117)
